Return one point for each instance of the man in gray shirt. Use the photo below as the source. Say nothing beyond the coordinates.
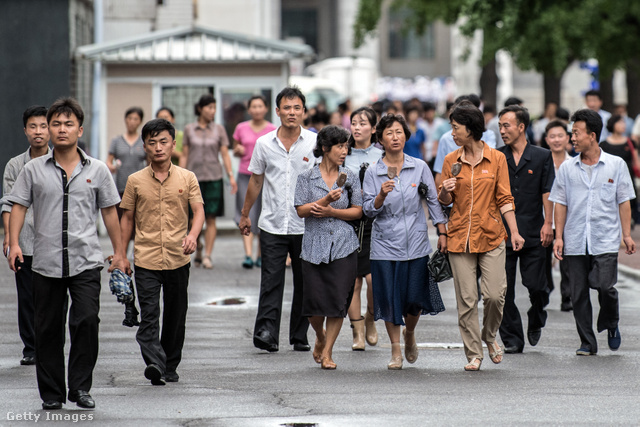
(35, 128)
(65, 189)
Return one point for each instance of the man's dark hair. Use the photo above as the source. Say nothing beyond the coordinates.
(66, 106)
(204, 100)
(513, 100)
(167, 109)
(320, 117)
(593, 92)
(522, 114)
(388, 121)
(328, 137)
(136, 110)
(371, 116)
(154, 127)
(562, 114)
(291, 92)
(33, 111)
(467, 114)
(556, 124)
(488, 108)
(428, 106)
(260, 97)
(615, 118)
(409, 107)
(472, 98)
(591, 119)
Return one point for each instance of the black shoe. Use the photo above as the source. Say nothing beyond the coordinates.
(154, 373)
(614, 338)
(171, 377)
(130, 315)
(301, 347)
(28, 360)
(82, 398)
(51, 404)
(566, 306)
(512, 349)
(534, 336)
(264, 341)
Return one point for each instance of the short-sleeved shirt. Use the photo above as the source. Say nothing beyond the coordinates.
(11, 172)
(133, 158)
(204, 148)
(532, 178)
(247, 137)
(65, 212)
(161, 215)
(481, 195)
(327, 239)
(281, 169)
(593, 216)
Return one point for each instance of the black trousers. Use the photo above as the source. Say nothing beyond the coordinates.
(26, 313)
(165, 351)
(599, 272)
(50, 298)
(534, 278)
(274, 250)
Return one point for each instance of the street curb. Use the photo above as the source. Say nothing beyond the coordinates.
(630, 272)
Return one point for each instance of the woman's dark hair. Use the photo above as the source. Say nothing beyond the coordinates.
(167, 109)
(260, 97)
(136, 110)
(591, 119)
(328, 137)
(156, 126)
(66, 106)
(291, 92)
(33, 111)
(467, 114)
(388, 121)
(371, 116)
(205, 100)
(615, 118)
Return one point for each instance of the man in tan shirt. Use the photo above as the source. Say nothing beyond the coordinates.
(157, 199)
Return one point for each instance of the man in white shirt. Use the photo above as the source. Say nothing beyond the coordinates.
(277, 160)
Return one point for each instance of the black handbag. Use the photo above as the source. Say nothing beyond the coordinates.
(439, 267)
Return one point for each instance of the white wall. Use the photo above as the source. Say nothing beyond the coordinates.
(251, 17)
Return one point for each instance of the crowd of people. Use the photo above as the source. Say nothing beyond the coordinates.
(342, 201)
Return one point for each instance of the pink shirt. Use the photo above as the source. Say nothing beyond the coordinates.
(247, 137)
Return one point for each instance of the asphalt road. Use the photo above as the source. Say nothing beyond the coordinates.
(225, 381)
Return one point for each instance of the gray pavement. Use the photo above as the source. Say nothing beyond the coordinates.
(225, 381)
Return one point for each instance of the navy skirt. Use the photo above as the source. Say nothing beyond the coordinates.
(403, 287)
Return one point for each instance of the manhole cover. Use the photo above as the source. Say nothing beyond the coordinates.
(229, 301)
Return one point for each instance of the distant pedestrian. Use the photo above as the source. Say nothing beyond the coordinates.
(593, 100)
(36, 129)
(278, 158)
(244, 140)
(65, 190)
(531, 176)
(363, 154)
(591, 194)
(329, 244)
(167, 114)
(403, 288)
(126, 156)
(157, 201)
(476, 183)
(204, 143)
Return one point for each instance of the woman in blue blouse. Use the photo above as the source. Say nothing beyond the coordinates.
(403, 289)
(329, 243)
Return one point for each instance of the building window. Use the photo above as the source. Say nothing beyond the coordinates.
(182, 100)
(301, 23)
(405, 43)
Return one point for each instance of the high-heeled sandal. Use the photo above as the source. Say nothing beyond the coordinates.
(395, 364)
(495, 355)
(371, 333)
(474, 365)
(410, 349)
(327, 363)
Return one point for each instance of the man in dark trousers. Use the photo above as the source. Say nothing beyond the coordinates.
(66, 189)
(278, 158)
(37, 131)
(157, 199)
(531, 176)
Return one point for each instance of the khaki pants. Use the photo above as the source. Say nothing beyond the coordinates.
(493, 286)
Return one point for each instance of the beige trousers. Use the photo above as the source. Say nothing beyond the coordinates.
(493, 285)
